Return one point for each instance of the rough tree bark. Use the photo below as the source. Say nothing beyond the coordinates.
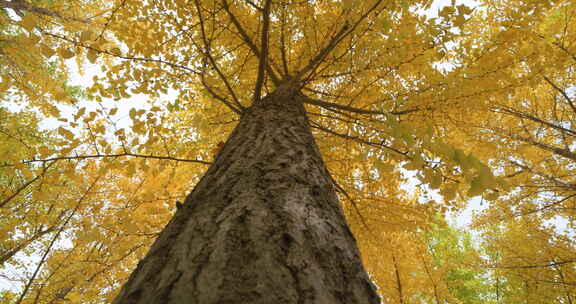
(263, 225)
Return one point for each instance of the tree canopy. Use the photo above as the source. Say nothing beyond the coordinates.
(421, 111)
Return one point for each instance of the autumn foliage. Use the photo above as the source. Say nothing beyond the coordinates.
(112, 110)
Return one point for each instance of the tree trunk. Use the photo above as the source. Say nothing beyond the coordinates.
(263, 225)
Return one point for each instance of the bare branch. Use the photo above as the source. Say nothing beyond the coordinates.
(252, 4)
(314, 62)
(218, 96)
(547, 206)
(552, 179)
(114, 11)
(352, 201)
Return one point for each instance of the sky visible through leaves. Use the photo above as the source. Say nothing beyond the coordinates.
(447, 125)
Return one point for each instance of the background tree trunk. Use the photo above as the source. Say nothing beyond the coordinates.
(263, 225)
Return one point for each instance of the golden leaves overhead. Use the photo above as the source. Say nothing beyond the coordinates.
(474, 103)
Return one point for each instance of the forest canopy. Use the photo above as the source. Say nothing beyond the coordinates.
(112, 110)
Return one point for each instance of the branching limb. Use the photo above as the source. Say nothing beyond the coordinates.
(325, 104)
(54, 239)
(346, 30)
(6, 255)
(218, 96)
(359, 140)
(550, 206)
(208, 55)
(352, 201)
(315, 62)
(552, 179)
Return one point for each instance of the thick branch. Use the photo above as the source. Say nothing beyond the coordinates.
(264, 47)
(250, 43)
(283, 44)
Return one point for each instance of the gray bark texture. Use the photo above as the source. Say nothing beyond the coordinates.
(263, 225)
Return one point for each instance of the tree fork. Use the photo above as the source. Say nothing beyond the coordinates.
(263, 225)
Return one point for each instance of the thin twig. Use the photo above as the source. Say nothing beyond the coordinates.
(9, 198)
(53, 241)
(562, 92)
(127, 154)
